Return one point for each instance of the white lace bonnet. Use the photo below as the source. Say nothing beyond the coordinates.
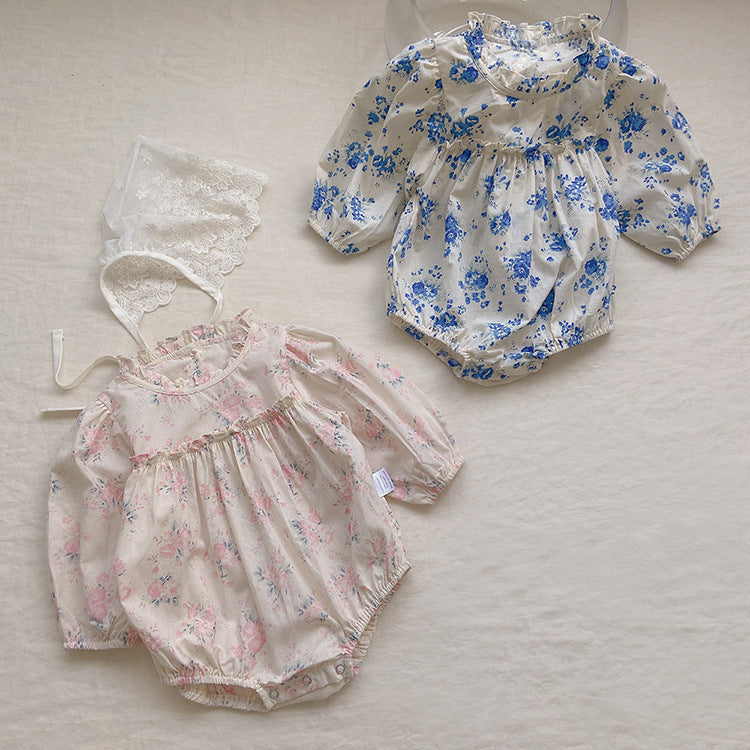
(173, 214)
(170, 213)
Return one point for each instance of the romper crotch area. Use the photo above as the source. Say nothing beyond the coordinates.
(495, 366)
(313, 683)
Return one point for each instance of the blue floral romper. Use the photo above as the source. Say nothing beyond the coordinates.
(503, 162)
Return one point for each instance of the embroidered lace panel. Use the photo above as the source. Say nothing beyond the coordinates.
(173, 214)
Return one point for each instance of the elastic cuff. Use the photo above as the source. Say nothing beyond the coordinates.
(79, 642)
(710, 227)
(74, 645)
(435, 491)
(337, 243)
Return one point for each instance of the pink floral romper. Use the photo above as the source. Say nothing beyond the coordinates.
(216, 502)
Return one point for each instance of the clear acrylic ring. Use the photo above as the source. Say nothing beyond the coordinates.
(406, 23)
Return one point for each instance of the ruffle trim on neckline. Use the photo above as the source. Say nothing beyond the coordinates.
(580, 32)
(239, 330)
(522, 35)
(275, 413)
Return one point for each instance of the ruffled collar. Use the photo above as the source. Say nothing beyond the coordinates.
(144, 369)
(487, 37)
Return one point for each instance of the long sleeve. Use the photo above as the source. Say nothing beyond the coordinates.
(399, 429)
(363, 180)
(85, 513)
(662, 188)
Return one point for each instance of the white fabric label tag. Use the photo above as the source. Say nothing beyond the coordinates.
(383, 483)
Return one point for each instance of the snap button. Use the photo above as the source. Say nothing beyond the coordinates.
(274, 693)
(306, 680)
(340, 668)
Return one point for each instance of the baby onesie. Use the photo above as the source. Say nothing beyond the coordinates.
(504, 162)
(216, 502)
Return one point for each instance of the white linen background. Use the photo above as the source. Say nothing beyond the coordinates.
(584, 582)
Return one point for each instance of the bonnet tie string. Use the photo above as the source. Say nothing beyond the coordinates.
(57, 356)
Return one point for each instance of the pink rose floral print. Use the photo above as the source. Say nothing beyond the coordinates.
(216, 503)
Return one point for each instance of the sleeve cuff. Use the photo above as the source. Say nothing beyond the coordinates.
(421, 493)
(434, 491)
(80, 642)
(341, 244)
(710, 226)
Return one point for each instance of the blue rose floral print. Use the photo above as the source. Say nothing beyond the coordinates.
(503, 162)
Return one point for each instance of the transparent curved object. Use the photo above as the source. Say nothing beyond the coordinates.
(407, 22)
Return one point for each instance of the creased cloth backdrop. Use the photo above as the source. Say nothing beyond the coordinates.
(585, 580)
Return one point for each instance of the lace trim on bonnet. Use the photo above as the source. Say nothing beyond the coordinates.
(171, 213)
